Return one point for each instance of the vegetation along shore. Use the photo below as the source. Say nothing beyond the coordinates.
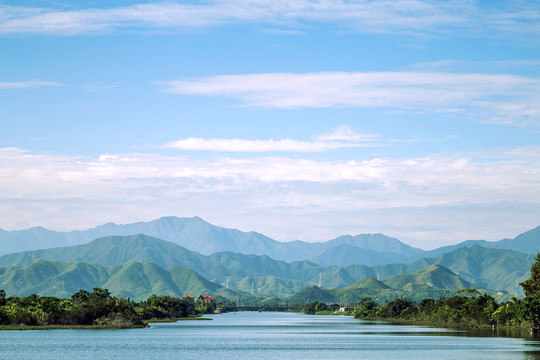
(467, 308)
(92, 310)
(99, 310)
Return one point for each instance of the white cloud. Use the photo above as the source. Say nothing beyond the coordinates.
(239, 145)
(273, 190)
(398, 16)
(504, 97)
(26, 84)
(344, 132)
(509, 170)
(339, 138)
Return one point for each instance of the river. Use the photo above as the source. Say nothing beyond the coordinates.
(254, 335)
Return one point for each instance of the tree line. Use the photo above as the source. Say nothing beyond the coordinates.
(96, 308)
(467, 307)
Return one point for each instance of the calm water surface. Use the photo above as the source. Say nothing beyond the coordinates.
(253, 335)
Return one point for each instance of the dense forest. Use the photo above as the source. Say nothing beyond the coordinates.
(97, 308)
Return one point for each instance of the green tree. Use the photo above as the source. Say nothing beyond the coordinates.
(530, 311)
(532, 285)
(395, 307)
(165, 306)
(366, 308)
(314, 308)
(530, 308)
(99, 307)
(507, 314)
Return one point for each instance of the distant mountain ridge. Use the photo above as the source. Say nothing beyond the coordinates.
(198, 235)
(527, 243)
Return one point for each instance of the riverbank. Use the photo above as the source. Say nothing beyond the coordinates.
(480, 330)
(145, 324)
(69, 327)
(521, 330)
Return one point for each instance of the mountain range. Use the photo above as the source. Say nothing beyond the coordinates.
(138, 280)
(484, 268)
(180, 256)
(198, 235)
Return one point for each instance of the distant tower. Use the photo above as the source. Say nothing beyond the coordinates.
(378, 277)
(252, 288)
(227, 286)
(320, 279)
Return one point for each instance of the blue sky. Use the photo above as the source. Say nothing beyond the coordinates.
(298, 119)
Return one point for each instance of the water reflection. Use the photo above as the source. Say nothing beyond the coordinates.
(245, 336)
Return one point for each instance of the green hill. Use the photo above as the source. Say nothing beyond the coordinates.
(112, 250)
(117, 250)
(433, 276)
(311, 294)
(489, 268)
(134, 280)
(433, 282)
(368, 283)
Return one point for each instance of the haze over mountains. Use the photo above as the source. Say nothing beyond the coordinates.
(198, 235)
(141, 264)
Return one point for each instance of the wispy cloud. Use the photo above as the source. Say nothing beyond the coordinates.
(27, 84)
(240, 145)
(504, 98)
(510, 171)
(344, 132)
(96, 87)
(339, 138)
(398, 16)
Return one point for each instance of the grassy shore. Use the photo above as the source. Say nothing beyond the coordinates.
(99, 327)
(329, 312)
(68, 327)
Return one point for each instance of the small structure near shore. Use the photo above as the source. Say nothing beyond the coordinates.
(206, 300)
(188, 298)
